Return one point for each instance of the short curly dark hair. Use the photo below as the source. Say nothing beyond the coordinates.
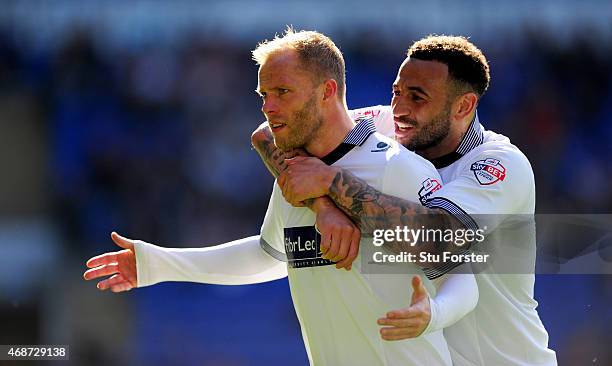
(467, 65)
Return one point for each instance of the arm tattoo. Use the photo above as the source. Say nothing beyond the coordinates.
(272, 156)
(372, 210)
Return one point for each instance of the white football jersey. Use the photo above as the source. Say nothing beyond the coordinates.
(488, 183)
(338, 310)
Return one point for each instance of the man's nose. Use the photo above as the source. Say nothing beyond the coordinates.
(400, 109)
(269, 106)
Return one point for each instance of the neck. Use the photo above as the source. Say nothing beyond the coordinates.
(451, 142)
(336, 125)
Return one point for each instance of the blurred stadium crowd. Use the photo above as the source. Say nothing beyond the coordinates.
(153, 142)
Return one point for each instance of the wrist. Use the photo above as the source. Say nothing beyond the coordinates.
(260, 136)
(322, 203)
(327, 179)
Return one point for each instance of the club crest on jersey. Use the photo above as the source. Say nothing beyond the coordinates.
(428, 187)
(381, 146)
(488, 171)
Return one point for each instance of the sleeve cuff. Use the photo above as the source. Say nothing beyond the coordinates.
(466, 220)
(141, 255)
(450, 207)
(433, 309)
(276, 254)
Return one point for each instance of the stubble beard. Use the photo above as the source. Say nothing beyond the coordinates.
(431, 133)
(304, 127)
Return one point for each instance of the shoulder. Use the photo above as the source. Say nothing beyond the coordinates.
(498, 163)
(393, 152)
(382, 151)
(374, 112)
(382, 115)
(404, 157)
(498, 146)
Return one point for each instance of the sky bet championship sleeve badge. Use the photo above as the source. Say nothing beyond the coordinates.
(488, 171)
(428, 187)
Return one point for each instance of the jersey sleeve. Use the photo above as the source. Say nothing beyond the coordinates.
(271, 237)
(238, 262)
(493, 183)
(380, 114)
(413, 178)
(456, 295)
(407, 173)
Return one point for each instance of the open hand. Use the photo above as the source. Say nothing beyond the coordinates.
(408, 322)
(121, 266)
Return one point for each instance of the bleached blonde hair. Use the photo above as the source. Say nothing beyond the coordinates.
(317, 53)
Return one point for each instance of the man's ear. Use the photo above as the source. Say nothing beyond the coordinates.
(330, 89)
(464, 105)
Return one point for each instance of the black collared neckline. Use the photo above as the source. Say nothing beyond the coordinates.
(358, 135)
(473, 137)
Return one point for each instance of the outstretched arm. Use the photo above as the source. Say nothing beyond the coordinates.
(239, 262)
(142, 264)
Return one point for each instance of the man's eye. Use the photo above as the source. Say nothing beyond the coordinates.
(282, 91)
(395, 93)
(416, 98)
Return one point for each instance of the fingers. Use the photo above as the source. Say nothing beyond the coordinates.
(295, 160)
(401, 328)
(105, 270)
(417, 284)
(325, 243)
(400, 323)
(404, 328)
(283, 183)
(409, 322)
(344, 263)
(112, 281)
(124, 243)
(353, 251)
(397, 334)
(403, 313)
(125, 286)
(111, 264)
(102, 259)
(345, 243)
(419, 292)
(281, 180)
(116, 283)
(334, 245)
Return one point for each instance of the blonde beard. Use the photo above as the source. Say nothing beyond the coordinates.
(304, 127)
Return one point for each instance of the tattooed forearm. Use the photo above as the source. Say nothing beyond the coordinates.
(373, 210)
(273, 157)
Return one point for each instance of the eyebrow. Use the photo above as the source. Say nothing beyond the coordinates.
(417, 89)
